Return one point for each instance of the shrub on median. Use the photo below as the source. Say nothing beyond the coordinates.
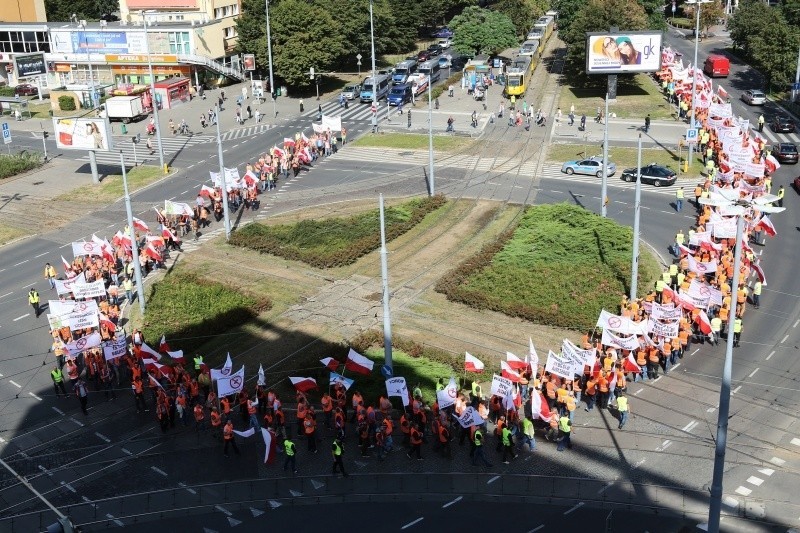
(11, 165)
(334, 242)
(559, 266)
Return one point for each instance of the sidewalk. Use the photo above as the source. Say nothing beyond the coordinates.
(662, 133)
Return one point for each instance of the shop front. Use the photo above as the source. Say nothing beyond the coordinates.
(172, 92)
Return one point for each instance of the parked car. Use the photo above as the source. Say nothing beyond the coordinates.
(591, 167)
(445, 61)
(423, 55)
(785, 152)
(444, 33)
(444, 43)
(25, 89)
(351, 92)
(652, 174)
(435, 49)
(754, 97)
(782, 124)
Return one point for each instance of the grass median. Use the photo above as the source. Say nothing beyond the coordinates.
(10, 233)
(626, 157)
(412, 141)
(559, 267)
(633, 101)
(111, 188)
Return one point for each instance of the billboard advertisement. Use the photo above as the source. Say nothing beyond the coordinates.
(83, 134)
(623, 52)
(249, 61)
(69, 41)
(30, 65)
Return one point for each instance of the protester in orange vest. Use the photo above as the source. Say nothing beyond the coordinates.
(216, 422)
(228, 436)
(310, 428)
(416, 442)
(199, 418)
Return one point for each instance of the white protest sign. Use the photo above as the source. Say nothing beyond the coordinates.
(230, 385)
(662, 312)
(559, 366)
(500, 385)
(397, 387)
(625, 343)
(469, 418)
(65, 286)
(661, 329)
(96, 289)
(114, 349)
(79, 249)
(84, 343)
(447, 396)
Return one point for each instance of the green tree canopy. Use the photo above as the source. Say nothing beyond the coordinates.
(790, 9)
(523, 13)
(482, 31)
(61, 11)
(750, 19)
(710, 14)
(600, 15)
(776, 53)
(567, 10)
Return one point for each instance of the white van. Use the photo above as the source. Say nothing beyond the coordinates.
(374, 90)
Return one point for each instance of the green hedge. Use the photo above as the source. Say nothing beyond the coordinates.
(189, 310)
(559, 266)
(66, 103)
(11, 165)
(7, 92)
(333, 242)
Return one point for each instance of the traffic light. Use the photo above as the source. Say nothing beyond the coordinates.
(45, 134)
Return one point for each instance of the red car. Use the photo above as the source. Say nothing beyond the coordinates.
(797, 184)
(25, 89)
(423, 55)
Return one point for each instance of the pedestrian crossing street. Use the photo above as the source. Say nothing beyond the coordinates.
(355, 112)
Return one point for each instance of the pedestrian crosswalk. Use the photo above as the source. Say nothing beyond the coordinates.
(139, 153)
(355, 111)
(773, 137)
(553, 172)
(248, 131)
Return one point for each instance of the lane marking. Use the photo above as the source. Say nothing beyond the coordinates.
(694, 352)
(796, 322)
(795, 441)
(77, 421)
(637, 392)
(46, 471)
(534, 530)
(731, 502)
(102, 437)
(604, 488)
(184, 192)
(69, 487)
(125, 450)
(770, 355)
(87, 500)
(57, 410)
(221, 509)
(676, 366)
(17, 385)
(190, 491)
(744, 491)
(659, 377)
(40, 255)
(737, 389)
(753, 373)
(711, 409)
(22, 262)
(37, 397)
(417, 521)
(448, 504)
(638, 464)
(68, 244)
(690, 426)
(21, 317)
(575, 508)
(784, 339)
(7, 294)
(115, 520)
(495, 478)
(172, 198)
(753, 480)
(766, 471)
(158, 470)
(777, 461)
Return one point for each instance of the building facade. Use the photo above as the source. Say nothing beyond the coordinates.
(23, 11)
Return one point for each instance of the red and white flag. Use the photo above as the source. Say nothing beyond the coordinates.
(703, 322)
(303, 384)
(533, 357)
(288, 142)
(207, 191)
(472, 363)
(766, 224)
(120, 239)
(279, 152)
(509, 373)
(270, 444)
(771, 163)
(330, 362)
(168, 234)
(177, 356)
(140, 225)
(515, 362)
(152, 253)
(303, 136)
(539, 407)
(163, 347)
(629, 364)
(154, 381)
(358, 363)
(67, 266)
(146, 350)
(105, 247)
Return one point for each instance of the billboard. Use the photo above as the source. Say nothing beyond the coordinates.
(249, 61)
(623, 52)
(70, 41)
(83, 134)
(30, 65)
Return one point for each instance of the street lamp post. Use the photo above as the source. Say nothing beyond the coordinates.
(137, 267)
(694, 74)
(269, 53)
(92, 154)
(637, 208)
(604, 184)
(430, 135)
(372, 41)
(153, 91)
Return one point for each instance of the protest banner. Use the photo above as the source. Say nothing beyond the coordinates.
(114, 349)
(500, 385)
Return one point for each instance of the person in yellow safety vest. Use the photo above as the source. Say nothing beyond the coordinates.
(58, 382)
(477, 394)
(127, 286)
(781, 193)
(337, 448)
(679, 200)
(33, 299)
(768, 184)
(761, 123)
(198, 362)
(50, 275)
(757, 294)
(478, 455)
(673, 275)
(716, 329)
(288, 447)
(737, 331)
(565, 428)
(623, 409)
(709, 167)
(708, 155)
(680, 238)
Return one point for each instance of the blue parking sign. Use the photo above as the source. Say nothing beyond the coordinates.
(6, 133)
(691, 135)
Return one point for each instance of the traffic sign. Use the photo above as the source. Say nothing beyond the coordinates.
(796, 86)
(691, 135)
(374, 108)
(6, 133)
(386, 371)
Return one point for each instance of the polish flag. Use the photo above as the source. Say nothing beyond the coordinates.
(472, 363)
(331, 363)
(539, 408)
(358, 363)
(166, 371)
(109, 325)
(270, 443)
(279, 152)
(508, 372)
(146, 350)
(163, 347)
(250, 179)
(120, 239)
(105, 247)
(515, 362)
(303, 384)
(207, 191)
(67, 265)
(152, 253)
(154, 381)
(288, 142)
(168, 234)
(177, 356)
(140, 225)
(771, 163)
(766, 224)
(703, 322)
(629, 364)
(303, 136)
(756, 266)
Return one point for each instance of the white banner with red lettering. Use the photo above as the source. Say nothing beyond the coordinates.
(114, 349)
(665, 312)
(663, 329)
(96, 289)
(79, 249)
(64, 286)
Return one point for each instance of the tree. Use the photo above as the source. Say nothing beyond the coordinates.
(60, 11)
(567, 10)
(790, 9)
(600, 15)
(710, 14)
(655, 14)
(752, 18)
(482, 31)
(523, 13)
(776, 54)
(252, 32)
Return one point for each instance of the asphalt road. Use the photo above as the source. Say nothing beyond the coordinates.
(669, 442)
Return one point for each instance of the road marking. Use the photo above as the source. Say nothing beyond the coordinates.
(68, 244)
(221, 509)
(158, 470)
(784, 339)
(604, 488)
(777, 461)
(694, 352)
(637, 392)
(638, 464)
(110, 225)
(766, 471)
(184, 192)
(37, 397)
(7, 294)
(115, 520)
(737, 389)
(77, 421)
(795, 441)
(102, 437)
(744, 491)
(770, 355)
(417, 521)
(534, 530)
(796, 322)
(190, 491)
(690, 426)
(22, 262)
(40, 255)
(666, 444)
(46, 471)
(190, 166)
(753, 373)
(448, 504)
(87, 500)
(17, 385)
(57, 410)
(69, 487)
(753, 480)
(711, 409)
(126, 451)
(676, 366)
(575, 508)
(659, 377)
(169, 200)
(495, 478)
(21, 317)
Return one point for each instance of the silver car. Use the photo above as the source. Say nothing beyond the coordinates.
(754, 97)
(351, 92)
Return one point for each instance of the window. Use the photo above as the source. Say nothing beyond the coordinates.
(230, 32)
(179, 42)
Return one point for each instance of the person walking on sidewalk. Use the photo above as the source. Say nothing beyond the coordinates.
(647, 123)
(82, 392)
(289, 448)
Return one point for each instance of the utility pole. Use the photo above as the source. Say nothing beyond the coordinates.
(636, 212)
(92, 153)
(224, 181)
(137, 268)
(430, 137)
(153, 92)
(63, 520)
(604, 185)
(269, 53)
(796, 87)
(387, 319)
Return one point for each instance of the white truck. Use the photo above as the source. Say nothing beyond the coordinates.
(124, 108)
(418, 82)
